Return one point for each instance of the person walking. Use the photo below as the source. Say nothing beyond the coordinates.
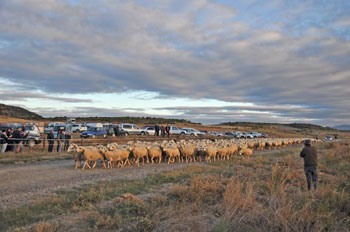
(309, 154)
(51, 140)
(67, 138)
(3, 142)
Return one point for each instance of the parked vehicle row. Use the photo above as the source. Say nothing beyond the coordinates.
(92, 130)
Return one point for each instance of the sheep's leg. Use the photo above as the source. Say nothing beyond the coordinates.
(86, 163)
(95, 162)
(127, 160)
(160, 159)
(147, 159)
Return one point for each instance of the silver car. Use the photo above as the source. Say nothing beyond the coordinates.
(131, 129)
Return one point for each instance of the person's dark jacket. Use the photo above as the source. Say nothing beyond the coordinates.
(50, 137)
(3, 139)
(310, 156)
(17, 136)
(61, 137)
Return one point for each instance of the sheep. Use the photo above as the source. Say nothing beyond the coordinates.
(140, 152)
(210, 153)
(91, 155)
(188, 152)
(172, 153)
(223, 153)
(246, 152)
(232, 150)
(251, 145)
(78, 156)
(112, 156)
(155, 152)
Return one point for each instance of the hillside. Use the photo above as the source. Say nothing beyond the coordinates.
(18, 112)
(343, 127)
(135, 120)
(257, 125)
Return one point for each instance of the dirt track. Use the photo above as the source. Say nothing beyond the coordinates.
(21, 184)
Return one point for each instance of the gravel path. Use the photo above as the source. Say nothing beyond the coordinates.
(23, 183)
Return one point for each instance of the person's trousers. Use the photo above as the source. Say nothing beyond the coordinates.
(50, 147)
(60, 146)
(311, 176)
(3, 148)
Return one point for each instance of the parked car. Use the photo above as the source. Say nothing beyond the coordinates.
(229, 134)
(213, 133)
(193, 132)
(131, 129)
(328, 138)
(238, 135)
(176, 131)
(255, 134)
(31, 131)
(62, 127)
(150, 130)
(51, 126)
(94, 132)
(109, 128)
(79, 127)
(248, 135)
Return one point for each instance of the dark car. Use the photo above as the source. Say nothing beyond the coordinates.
(94, 132)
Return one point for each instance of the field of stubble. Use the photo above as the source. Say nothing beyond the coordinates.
(267, 193)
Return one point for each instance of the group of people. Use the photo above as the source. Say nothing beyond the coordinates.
(162, 130)
(11, 140)
(63, 139)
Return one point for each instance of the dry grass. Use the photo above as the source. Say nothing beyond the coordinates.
(264, 194)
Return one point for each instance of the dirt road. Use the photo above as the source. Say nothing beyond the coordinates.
(21, 184)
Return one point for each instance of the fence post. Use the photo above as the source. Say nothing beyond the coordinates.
(44, 142)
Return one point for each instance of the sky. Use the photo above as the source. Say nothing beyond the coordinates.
(204, 61)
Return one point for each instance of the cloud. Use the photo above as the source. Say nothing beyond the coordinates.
(200, 50)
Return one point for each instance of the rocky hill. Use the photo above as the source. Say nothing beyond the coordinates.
(18, 112)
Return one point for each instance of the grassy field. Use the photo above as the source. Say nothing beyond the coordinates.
(267, 193)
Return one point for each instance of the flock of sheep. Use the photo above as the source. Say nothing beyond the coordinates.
(171, 151)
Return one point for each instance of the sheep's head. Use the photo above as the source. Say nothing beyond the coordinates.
(72, 147)
(80, 149)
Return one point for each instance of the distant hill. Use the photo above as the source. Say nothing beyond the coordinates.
(135, 120)
(342, 127)
(261, 124)
(18, 112)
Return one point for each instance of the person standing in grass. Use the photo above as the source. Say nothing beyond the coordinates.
(309, 154)
(3, 142)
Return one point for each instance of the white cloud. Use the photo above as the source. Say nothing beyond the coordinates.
(201, 51)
